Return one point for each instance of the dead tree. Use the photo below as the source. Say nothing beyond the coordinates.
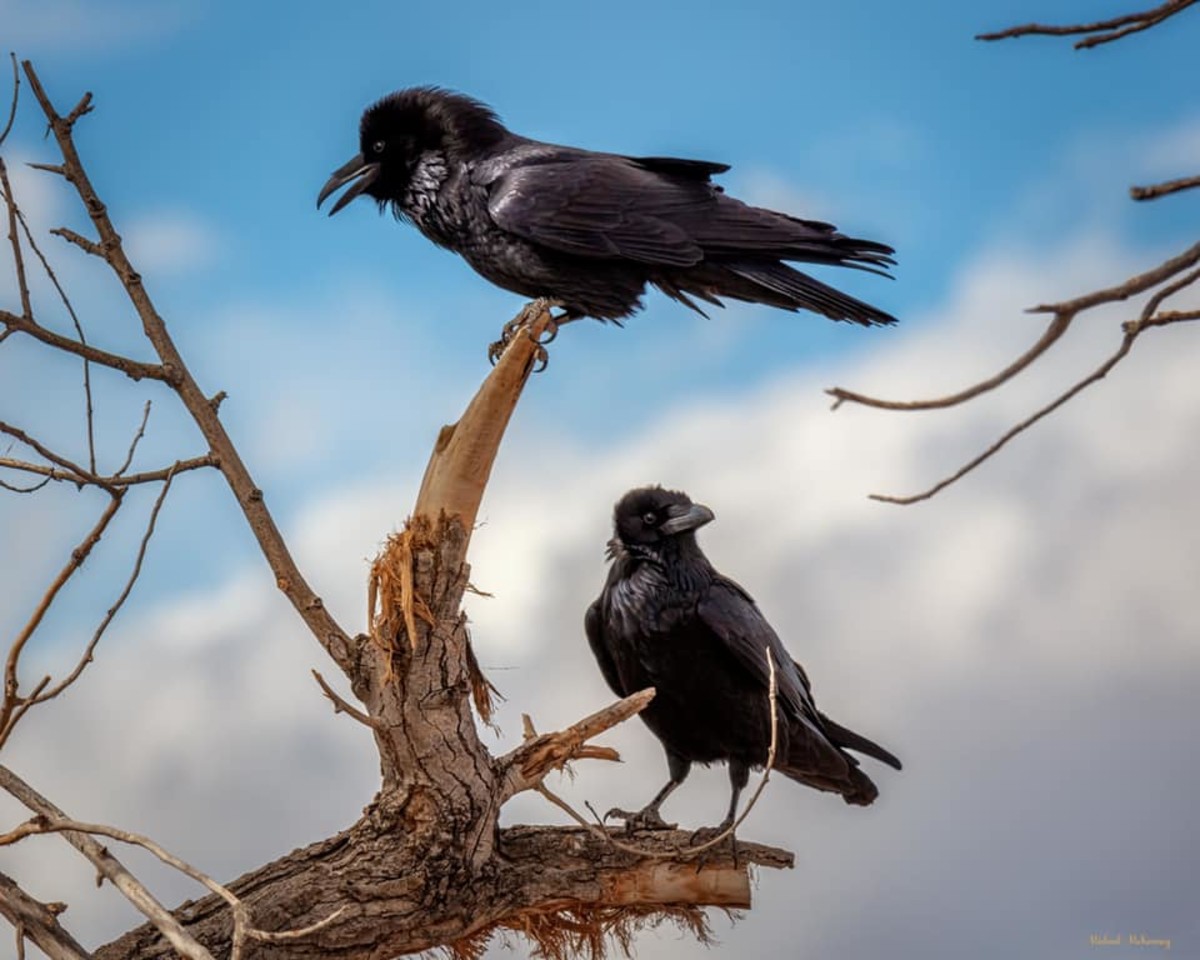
(1159, 284)
(427, 865)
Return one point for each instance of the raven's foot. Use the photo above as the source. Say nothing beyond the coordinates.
(646, 819)
(524, 321)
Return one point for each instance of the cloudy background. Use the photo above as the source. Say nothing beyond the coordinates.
(1026, 642)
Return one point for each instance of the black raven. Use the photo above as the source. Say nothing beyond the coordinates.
(666, 619)
(588, 230)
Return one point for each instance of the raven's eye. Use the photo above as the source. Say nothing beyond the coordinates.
(379, 145)
(650, 519)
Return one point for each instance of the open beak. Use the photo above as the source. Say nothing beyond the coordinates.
(681, 518)
(358, 173)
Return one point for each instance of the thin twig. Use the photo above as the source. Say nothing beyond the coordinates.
(1157, 190)
(340, 705)
(110, 481)
(11, 682)
(90, 650)
(13, 488)
(137, 437)
(1132, 329)
(110, 868)
(66, 302)
(243, 928)
(12, 109)
(1057, 327)
(133, 369)
(1103, 31)
(1064, 314)
(82, 242)
(86, 476)
(14, 240)
(33, 825)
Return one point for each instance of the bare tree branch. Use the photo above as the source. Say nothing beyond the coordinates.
(1132, 330)
(287, 575)
(38, 921)
(134, 369)
(109, 481)
(1102, 31)
(1163, 189)
(110, 868)
(243, 929)
(70, 308)
(12, 701)
(1064, 314)
(90, 650)
(14, 240)
(1058, 326)
(16, 95)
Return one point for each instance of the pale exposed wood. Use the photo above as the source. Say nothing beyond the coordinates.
(462, 459)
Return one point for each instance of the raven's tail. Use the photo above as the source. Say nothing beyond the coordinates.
(800, 291)
(849, 740)
(855, 786)
(770, 282)
(824, 763)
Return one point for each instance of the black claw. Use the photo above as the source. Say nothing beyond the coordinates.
(524, 321)
(550, 332)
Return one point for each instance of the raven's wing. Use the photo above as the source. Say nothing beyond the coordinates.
(699, 169)
(598, 205)
(593, 625)
(730, 613)
(656, 210)
(846, 738)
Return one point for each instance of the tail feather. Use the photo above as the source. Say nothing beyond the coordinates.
(849, 740)
(799, 290)
(855, 787)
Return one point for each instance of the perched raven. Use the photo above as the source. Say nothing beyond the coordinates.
(588, 230)
(666, 619)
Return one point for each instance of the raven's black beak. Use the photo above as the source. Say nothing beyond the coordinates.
(681, 517)
(358, 173)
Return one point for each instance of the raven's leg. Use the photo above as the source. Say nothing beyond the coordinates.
(739, 776)
(648, 818)
(524, 320)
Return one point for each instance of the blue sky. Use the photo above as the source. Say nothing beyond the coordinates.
(998, 171)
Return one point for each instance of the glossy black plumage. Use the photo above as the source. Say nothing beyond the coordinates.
(667, 619)
(588, 230)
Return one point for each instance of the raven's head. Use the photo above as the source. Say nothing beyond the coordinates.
(649, 518)
(403, 129)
